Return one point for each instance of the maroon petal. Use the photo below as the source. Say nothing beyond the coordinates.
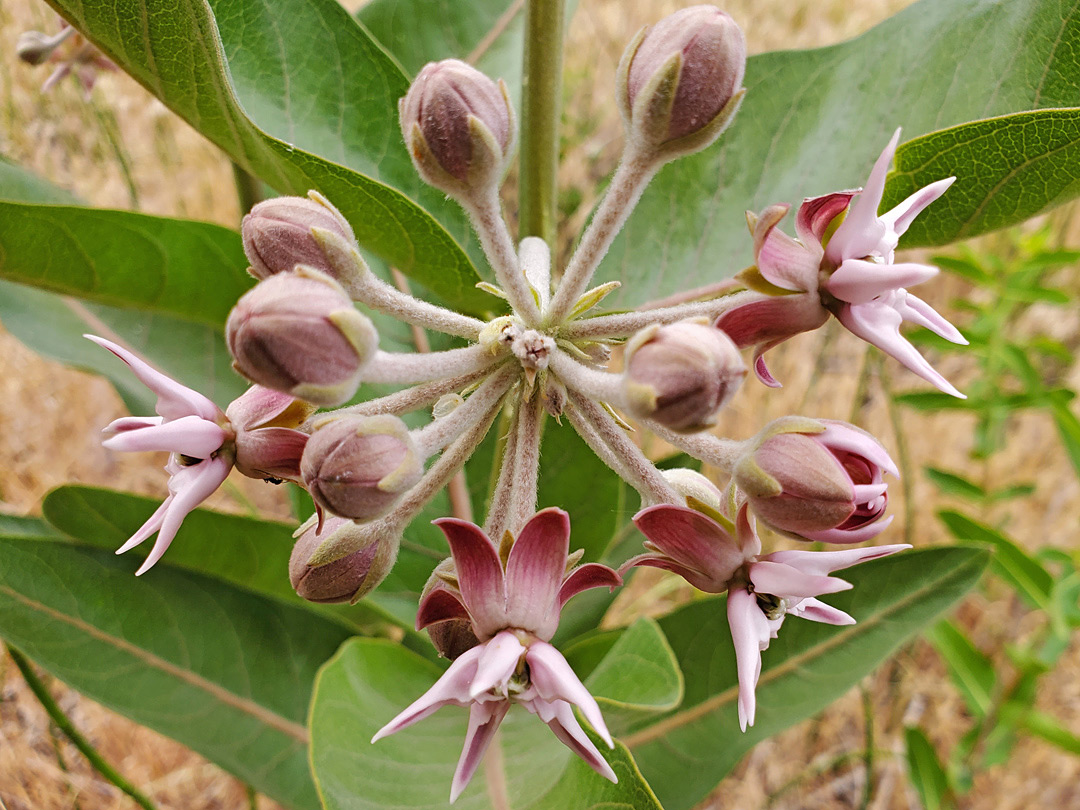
(270, 452)
(439, 605)
(534, 572)
(692, 539)
(816, 214)
(691, 575)
(584, 577)
(480, 575)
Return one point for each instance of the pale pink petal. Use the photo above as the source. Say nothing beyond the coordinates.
(865, 493)
(439, 605)
(498, 659)
(452, 687)
(535, 570)
(569, 731)
(784, 580)
(126, 423)
(206, 477)
(845, 438)
(149, 527)
(860, 534)
(861, 232)
(484, 720)
(879, 325)
(691, 539)
(479, 572)
(554, 680)
(257, 406)
(918, 311)
(786, 263)
(821, 563)
(817, 611)
(750, 635)
(189, 435)
(816, 214)
(174, 400)
(858, 281)
(56, 77)
(898, 219)
(746, 537)
(584, 577)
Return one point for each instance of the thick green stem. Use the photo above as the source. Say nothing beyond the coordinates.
(541, 86)
(62, 722)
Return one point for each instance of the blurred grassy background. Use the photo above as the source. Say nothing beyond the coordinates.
(123, 149)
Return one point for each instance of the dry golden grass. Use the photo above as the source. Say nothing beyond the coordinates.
(51, 416)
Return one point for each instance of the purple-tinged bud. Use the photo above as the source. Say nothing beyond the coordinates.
(680, 81)
(298, 332)
(816, 479)
(277, 234)
(453, 636)
(692, 484)
(268, 445)
(458, 126)
(358, 466)
(35, 47)
(681, 374)
(349, 578)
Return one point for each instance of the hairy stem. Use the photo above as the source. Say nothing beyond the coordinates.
(625, 324)
(498, 515)
(433, 437)
(541, 95)
(601, 385)
(486, 214)
(530, 426)
(408, 367)
(704, 446)
(411, 399)
(634, 173)
(62, 722)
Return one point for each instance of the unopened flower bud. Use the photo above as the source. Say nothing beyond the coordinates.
(692, 484)
(816, 479)
(459, 127)
(681, 374)
(298, 332)
(277, 234)
(680, 81)
(268, 444)
(35, 47)
(349, 578)
(358, 466)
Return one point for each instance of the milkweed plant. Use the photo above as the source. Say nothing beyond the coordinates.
(395, 645)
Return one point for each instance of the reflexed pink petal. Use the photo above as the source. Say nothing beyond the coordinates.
(126, 423)
(484, 720)
(861, 232)
(691, 539)
(787, 263)
(821, 563)
(257, 406)
(152, 524)
(746, 537)
(843, 437)
(899, 218)
(817, 611)
(535, 570)
(761, 371)
(773, 319)
(569, 731)
(879, 325)
(174, 400)
(816, 214)
(857, 281)
(584, 577)
(439, 605)
(452, 687)
(498, 659)
(860, 534)
(554, 680)
(189, 435)
(699, 580)
(784, 580)
(918, 311)
(204, 479)
(750, 635)
(480, 575)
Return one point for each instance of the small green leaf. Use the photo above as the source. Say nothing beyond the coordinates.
(971, 671)
(224, 671)
(1069, 430)
(926, 773)
(953, 484)
(1049, 728)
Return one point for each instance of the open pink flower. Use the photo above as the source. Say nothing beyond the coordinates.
(851, 273)
(513, 597)
(762, 590)
(205, 444)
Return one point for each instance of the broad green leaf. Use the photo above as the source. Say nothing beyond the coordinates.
(224, 671)
(300, 95)
(814, 122)
(26, 527)
(685, 753)
(926, 772)
(19, 185)
(370, 681)
(971, 671)
(1030, 579)
(190, 270)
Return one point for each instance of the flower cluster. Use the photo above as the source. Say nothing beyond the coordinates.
(493, 605)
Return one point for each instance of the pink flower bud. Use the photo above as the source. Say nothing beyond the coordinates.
(268, 445)
(35, 47)
(277, 234)
(681, 374)
(817, 480)
(349, 578)
(298, 332)
(358, 466)
(458, 125)
(680, 81)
